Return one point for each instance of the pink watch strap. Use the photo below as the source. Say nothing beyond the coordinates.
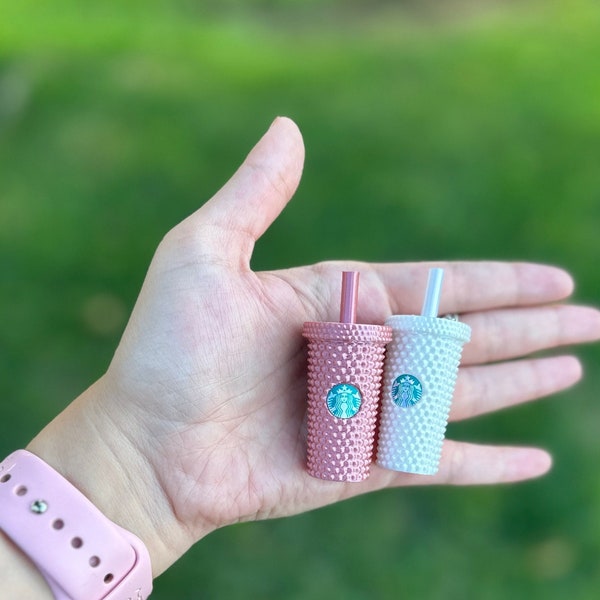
(80, 552)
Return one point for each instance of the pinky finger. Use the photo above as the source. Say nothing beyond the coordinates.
(472, 464)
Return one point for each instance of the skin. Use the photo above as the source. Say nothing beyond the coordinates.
(198, 421)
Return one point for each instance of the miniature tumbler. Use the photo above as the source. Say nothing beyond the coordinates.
(419, 379)
(345, 369)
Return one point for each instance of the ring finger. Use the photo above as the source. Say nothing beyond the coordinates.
(486, 388)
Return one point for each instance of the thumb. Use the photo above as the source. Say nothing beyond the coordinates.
(242, 210)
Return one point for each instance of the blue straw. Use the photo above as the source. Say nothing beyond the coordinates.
(431, 304)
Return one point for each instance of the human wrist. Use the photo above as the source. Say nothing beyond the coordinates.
(20, 577)
(93, 451)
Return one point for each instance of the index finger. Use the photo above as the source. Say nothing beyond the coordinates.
(475, 286)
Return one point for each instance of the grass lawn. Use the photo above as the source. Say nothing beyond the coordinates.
(428, 136)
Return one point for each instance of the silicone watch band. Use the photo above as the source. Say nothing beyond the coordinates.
(80, 552)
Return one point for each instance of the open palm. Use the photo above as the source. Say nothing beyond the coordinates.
(209, 384)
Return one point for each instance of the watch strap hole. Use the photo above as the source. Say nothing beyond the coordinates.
(76, 542)
(94, 561)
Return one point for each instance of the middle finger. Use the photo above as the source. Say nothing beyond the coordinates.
(512, 333)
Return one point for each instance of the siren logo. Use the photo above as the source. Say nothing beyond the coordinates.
(406, 390)
(344, 400)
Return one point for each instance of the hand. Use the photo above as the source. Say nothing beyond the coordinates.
(198, 422)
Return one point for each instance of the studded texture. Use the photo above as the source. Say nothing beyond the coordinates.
(342, 449)
(428, 349)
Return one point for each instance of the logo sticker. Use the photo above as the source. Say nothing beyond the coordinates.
(344, 400)
(406, 390)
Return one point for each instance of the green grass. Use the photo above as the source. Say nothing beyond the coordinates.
(447, 136)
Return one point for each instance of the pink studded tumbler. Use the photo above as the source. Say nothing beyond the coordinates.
(345, 368)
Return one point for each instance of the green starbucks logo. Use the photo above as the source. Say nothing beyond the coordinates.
(344, 400)
(406, 390)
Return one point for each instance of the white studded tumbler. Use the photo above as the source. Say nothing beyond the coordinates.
(420, 373)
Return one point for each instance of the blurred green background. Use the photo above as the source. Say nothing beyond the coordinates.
(450, 131)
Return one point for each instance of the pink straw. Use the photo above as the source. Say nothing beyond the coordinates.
(349, 296)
